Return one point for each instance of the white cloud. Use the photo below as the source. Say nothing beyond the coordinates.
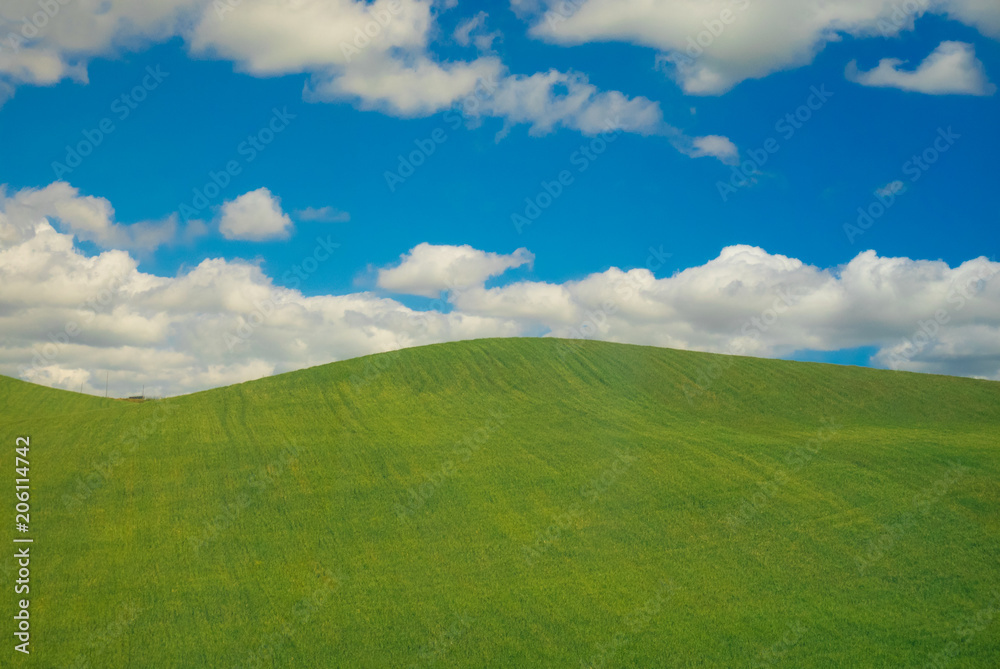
(86, 217)
(549, 99)
(428, 270)
(67, 319)
(43, 48)
(268, 38)
(473, 31)
(323, 214)
(963, 350)
(712, 46)
(537, 304)
(747, 301)
(463, 32)
(717, 147)
(417, 87)
(254, 216)
(42, 67)
(984, 15)
(376, 55)
(951, 69)
(6, 92)
(484, 41)
(392, 71)
(225, 321)
(891, 188)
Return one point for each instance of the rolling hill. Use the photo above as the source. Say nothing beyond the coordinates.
(516, 503)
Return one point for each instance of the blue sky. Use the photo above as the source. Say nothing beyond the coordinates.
(653, 193)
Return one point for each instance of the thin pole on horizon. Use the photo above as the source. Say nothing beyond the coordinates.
(106, 377)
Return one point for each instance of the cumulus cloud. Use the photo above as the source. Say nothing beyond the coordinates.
(984, 15)
(548, 99)
(418, 87)
(922, 315)
(951, 69)
(42, 67)
(267, 38)
(712, 46)
(376, 55)
(254, 216)
(544, 101)
(86, 217)
(67, 318)
(42, 47)
(428, 269)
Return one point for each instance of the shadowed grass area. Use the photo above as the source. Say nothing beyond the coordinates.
(521, 503)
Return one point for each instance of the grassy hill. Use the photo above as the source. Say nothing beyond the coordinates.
(516, 503)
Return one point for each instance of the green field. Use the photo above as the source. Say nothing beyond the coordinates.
(515, 503)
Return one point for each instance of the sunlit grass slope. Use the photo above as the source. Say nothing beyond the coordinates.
(516, 503)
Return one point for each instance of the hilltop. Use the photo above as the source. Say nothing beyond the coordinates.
(518, 502)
